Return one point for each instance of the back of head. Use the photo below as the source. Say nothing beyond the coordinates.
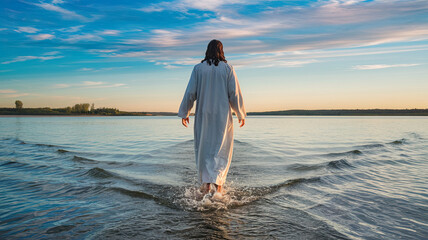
(214, 53)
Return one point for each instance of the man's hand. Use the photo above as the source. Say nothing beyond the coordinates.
(185, 121)
(242, 122)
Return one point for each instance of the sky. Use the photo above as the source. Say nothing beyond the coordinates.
(138, 55)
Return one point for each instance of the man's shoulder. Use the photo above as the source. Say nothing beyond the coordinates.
(227, 65)
(197, 66)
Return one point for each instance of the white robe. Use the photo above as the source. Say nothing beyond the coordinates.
(216, 90)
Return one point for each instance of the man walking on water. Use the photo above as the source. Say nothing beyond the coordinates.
(215, 88)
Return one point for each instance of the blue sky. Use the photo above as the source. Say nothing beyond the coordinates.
(138, 55)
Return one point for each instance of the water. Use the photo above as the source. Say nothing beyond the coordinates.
(291, 177)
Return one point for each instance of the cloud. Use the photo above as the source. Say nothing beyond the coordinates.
(83, 37)
(266, 34)
(101, 69)
(57, 1)
(15, 95)
(7, 91)
(71, 29)
(186, 5)
(62, 85)
(381, 66)
(3, 29)
(27, 30)
(277, 63)
(41, 36)
(86, 69)
(89, 84)
(67, 14)
(10, 93)
(110, 32)
(276, 24)
(102, 50)
(26, 58)
(133, 54)
(52, 53)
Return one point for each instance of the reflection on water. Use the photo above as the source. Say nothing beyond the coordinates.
(291, 177)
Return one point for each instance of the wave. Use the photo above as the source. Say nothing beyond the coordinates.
(44, 145)
(140, 194)
(398, 142)
(21, 142)
(305, 167)
(374, 145)
(99, 173)
(339, 164)
(83, 160)
(352, 153)
(13, 163)
(59, 229)
(293, 182)
(336, 164)
(92, 161)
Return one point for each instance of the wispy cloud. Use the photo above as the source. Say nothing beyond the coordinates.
(41, 36)
(10, 93)
(83, 37)
(110, 32)
(67, 14)
(57, 1)
(7, 91)
(186, 5)
(89, 84)
(102, 50)
(62, 85)
(27, 29)
(71, 29)
(101, 69)
(134, 54)
(15, 95)
(52, 53)
(86, 69)
(382, 66)
(26, 58)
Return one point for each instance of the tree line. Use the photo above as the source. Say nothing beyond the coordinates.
(80, 108)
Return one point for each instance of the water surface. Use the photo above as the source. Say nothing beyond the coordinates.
(291, 177)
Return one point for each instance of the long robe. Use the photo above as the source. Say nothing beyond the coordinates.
(216, 90)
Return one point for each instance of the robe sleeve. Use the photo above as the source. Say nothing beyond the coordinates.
(235, 96)
(189, 96)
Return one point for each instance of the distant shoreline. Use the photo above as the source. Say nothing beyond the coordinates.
(12, 112)
(346, 112)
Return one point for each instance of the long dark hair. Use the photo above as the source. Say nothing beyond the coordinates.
(214, 53)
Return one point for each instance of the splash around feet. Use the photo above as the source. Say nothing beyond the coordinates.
(197, 199)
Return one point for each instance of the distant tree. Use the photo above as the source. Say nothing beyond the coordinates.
(68, 109)
(107, 111)
(85, 107)
(80, 108)
(92, 107)
(18, 104)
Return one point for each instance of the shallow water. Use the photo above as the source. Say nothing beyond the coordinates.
(291, 177)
